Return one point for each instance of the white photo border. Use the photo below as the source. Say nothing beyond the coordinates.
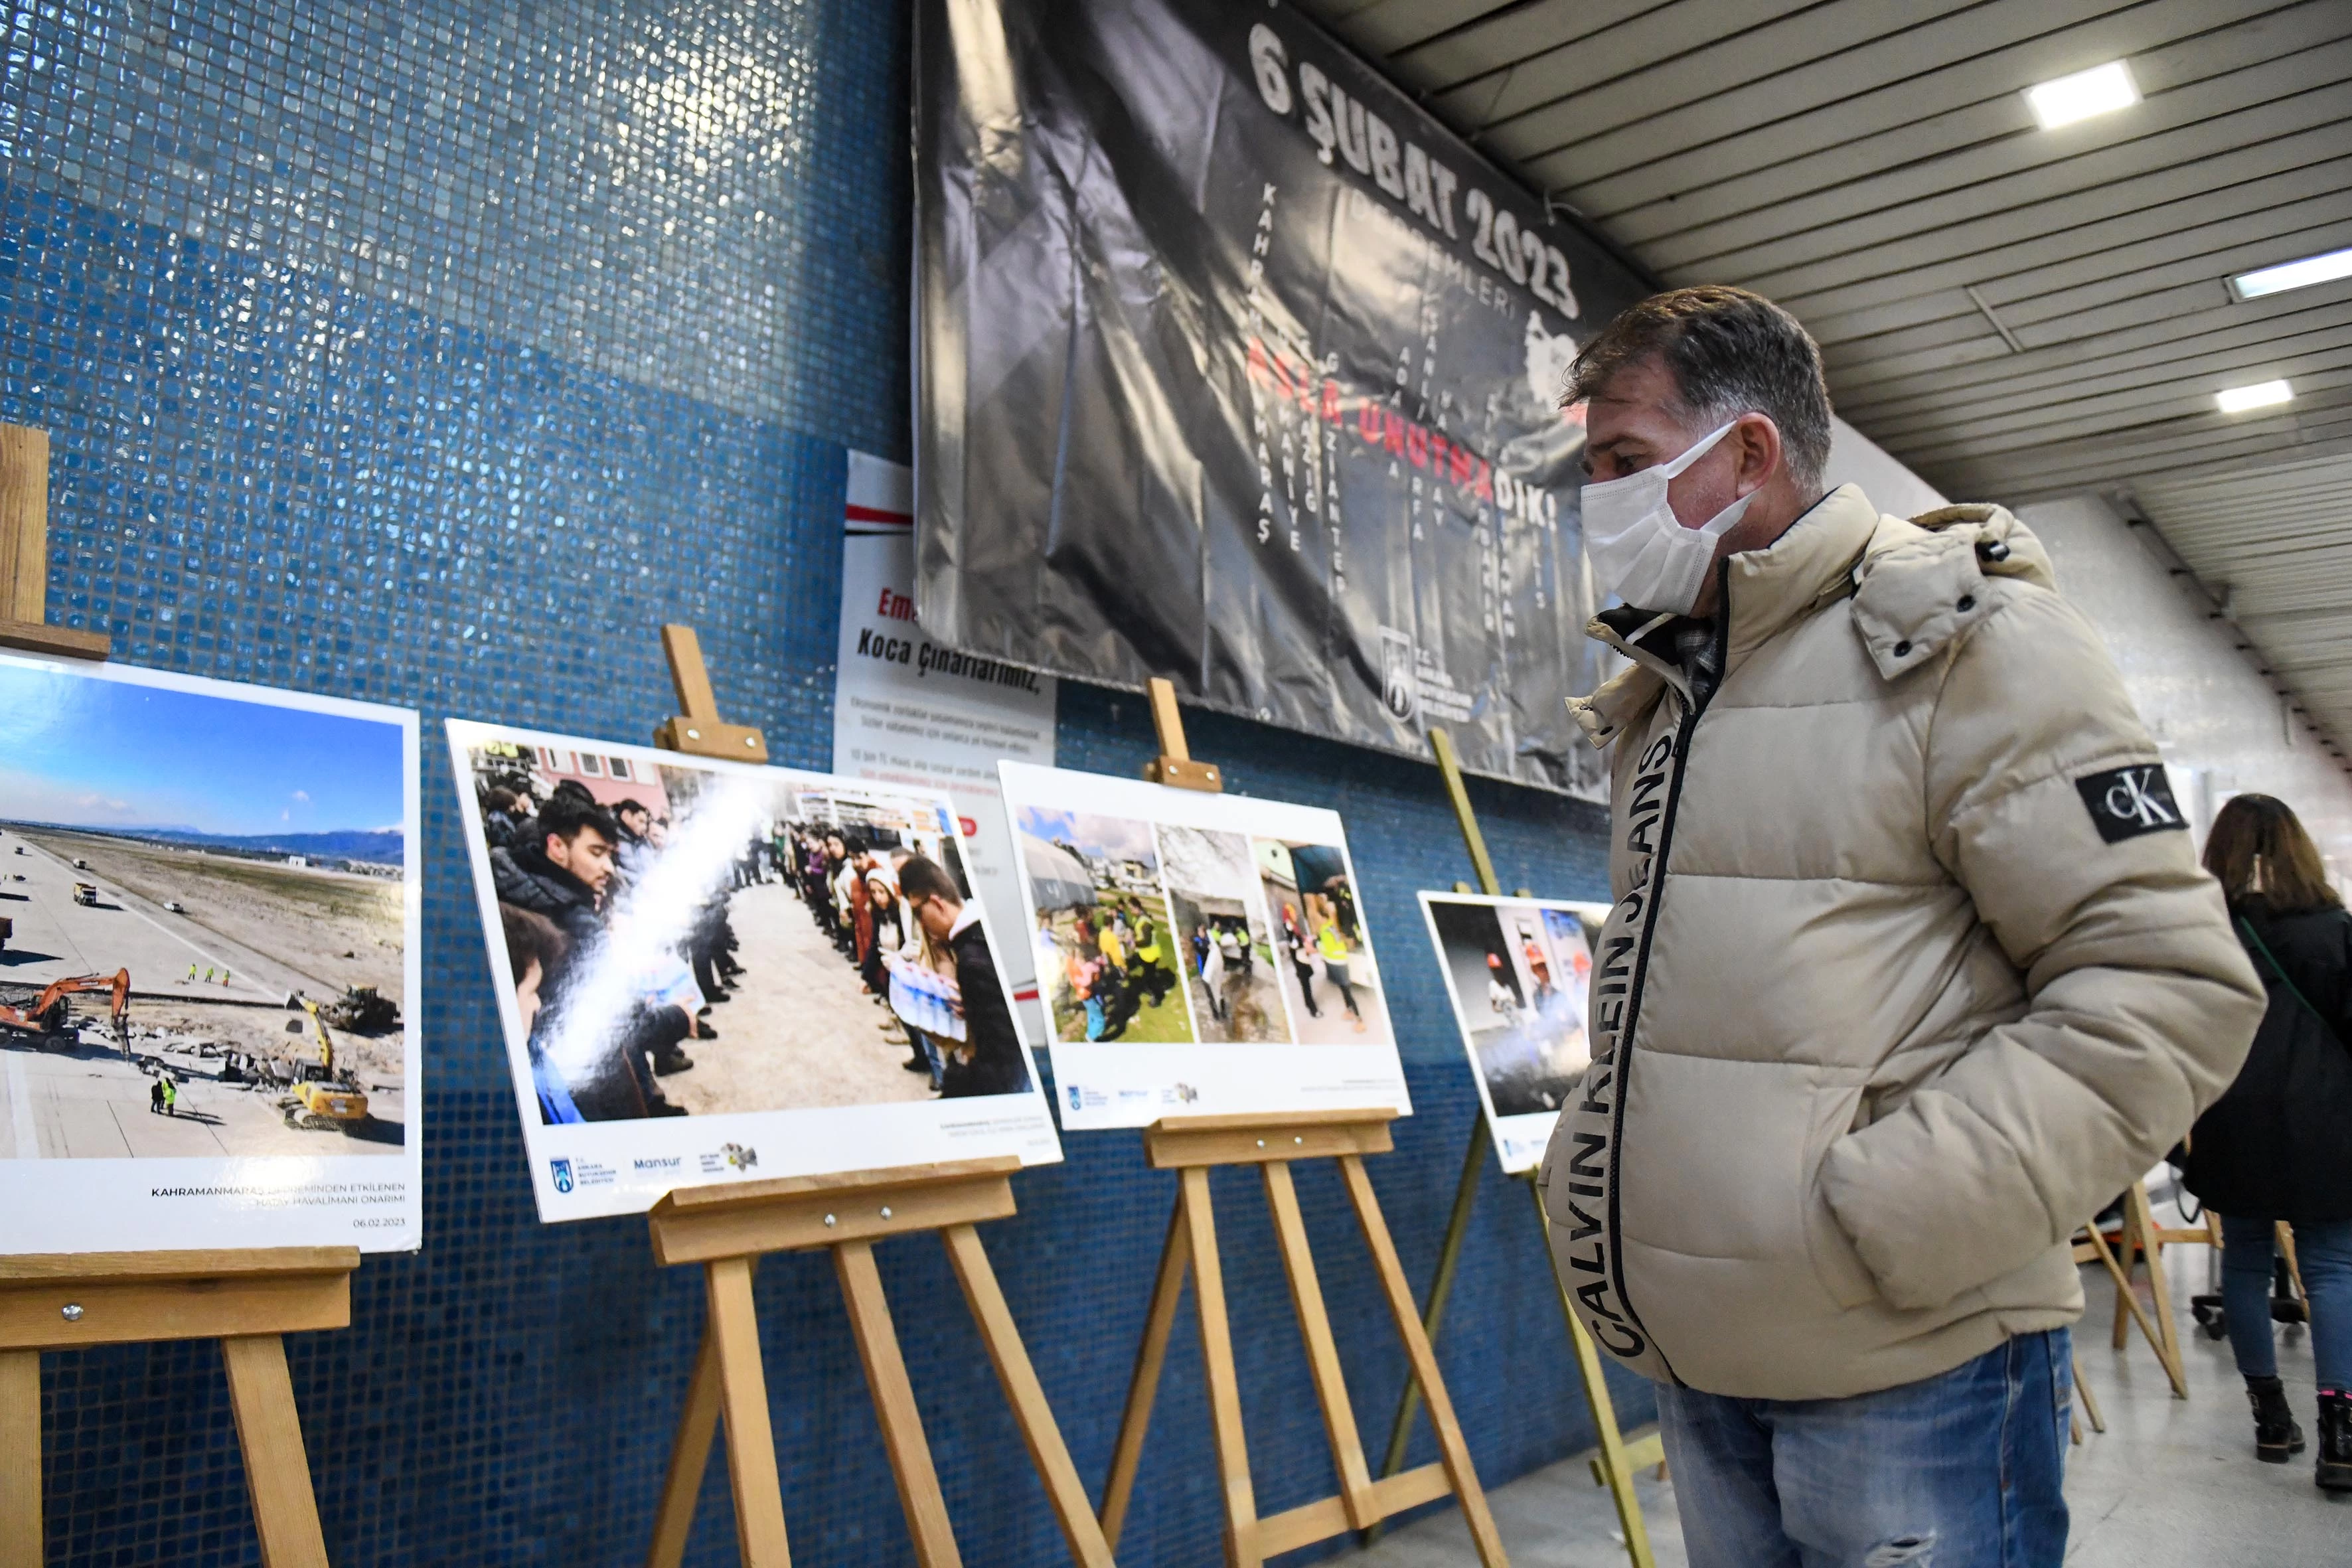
(624, 1167)
(174, 1202)
(1519, 1140)
(1119, 1084)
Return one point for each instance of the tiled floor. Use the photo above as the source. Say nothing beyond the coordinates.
(2170, 1484)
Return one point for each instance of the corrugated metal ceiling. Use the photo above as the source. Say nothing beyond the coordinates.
(2015, 312)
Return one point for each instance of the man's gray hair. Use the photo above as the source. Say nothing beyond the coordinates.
(1729, 352)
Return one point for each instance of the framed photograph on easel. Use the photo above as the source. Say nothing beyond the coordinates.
(1198, 953)
(694, 953)
(712, 972)
(1517, 971)
(209, 906)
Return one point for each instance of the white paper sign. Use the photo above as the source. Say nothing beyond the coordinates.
(709, 972)
(209, 907)
(1197, 953)
(1518, 970)
(908, 711)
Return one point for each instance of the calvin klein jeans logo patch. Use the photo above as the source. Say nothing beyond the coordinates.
(2125, 803)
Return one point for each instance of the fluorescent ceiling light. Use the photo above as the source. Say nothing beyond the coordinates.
(2289, 275)
(2099, 90)
(2261, 395)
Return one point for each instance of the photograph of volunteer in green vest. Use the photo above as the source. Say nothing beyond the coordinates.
(1328, 975)
(1096, 880)
(1229, 957)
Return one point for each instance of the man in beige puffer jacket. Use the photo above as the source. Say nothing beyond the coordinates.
(1911, 970)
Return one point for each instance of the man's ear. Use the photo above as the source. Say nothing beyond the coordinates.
(1759, 451)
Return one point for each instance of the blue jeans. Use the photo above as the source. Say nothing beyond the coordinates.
(929, 1048)
(1961, 1470)
(2323, 1253)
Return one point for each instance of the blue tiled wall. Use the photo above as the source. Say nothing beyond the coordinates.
(431, 353)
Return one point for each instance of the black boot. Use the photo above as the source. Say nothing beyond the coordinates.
(2275, 1433)
(2335, 1473)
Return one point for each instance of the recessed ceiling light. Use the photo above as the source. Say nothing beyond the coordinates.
(2261, 395)
(2099, 90)
(2289, 275)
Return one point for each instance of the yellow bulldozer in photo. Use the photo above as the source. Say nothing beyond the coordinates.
(320, 1100)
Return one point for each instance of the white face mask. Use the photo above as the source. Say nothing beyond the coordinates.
(1639, 551)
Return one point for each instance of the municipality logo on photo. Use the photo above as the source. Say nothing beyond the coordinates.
(563, 1169)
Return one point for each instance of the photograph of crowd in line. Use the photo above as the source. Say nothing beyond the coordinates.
(1516, 970)
(1213, 891)
(205, 921)
(1326, 971)
(1106, 956)
(689, 940)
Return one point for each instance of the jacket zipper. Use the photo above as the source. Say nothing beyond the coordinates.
(1692, 708)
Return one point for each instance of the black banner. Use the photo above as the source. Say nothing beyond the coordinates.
(1234, 366)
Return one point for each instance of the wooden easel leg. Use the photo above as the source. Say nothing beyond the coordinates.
(689, 1455)
(2169, 1350)
(1451, 1445)
(1027, 1397)
(277, 1471)
(1616, 1469)
(734, 1335)
(2128, 1301)
(1441, 1283)
(894, 1405)
(2090, 1400)
(1224, 1382)
(20, 1459)
(1322, 1352)
(2130, 1259)
(1143, 1387)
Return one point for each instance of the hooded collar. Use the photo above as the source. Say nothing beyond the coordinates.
(1919, 586)
(1913, 584)
(1767, 590)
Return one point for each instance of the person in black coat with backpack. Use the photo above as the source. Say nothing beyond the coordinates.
(2278, 1145)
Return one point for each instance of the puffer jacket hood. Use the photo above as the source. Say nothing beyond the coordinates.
(1922, 568)
(1911, 966)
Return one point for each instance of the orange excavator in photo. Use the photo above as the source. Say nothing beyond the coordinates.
(49, 1017)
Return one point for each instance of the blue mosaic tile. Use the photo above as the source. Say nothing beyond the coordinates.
(432, 354)
(708, 198)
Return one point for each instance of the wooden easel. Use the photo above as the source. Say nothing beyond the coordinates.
(247, 1299)
(1193, 1146)
(1615, 1460)
(25, 552)
(2143, 1242)
(699, 731)
(728, 1228)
